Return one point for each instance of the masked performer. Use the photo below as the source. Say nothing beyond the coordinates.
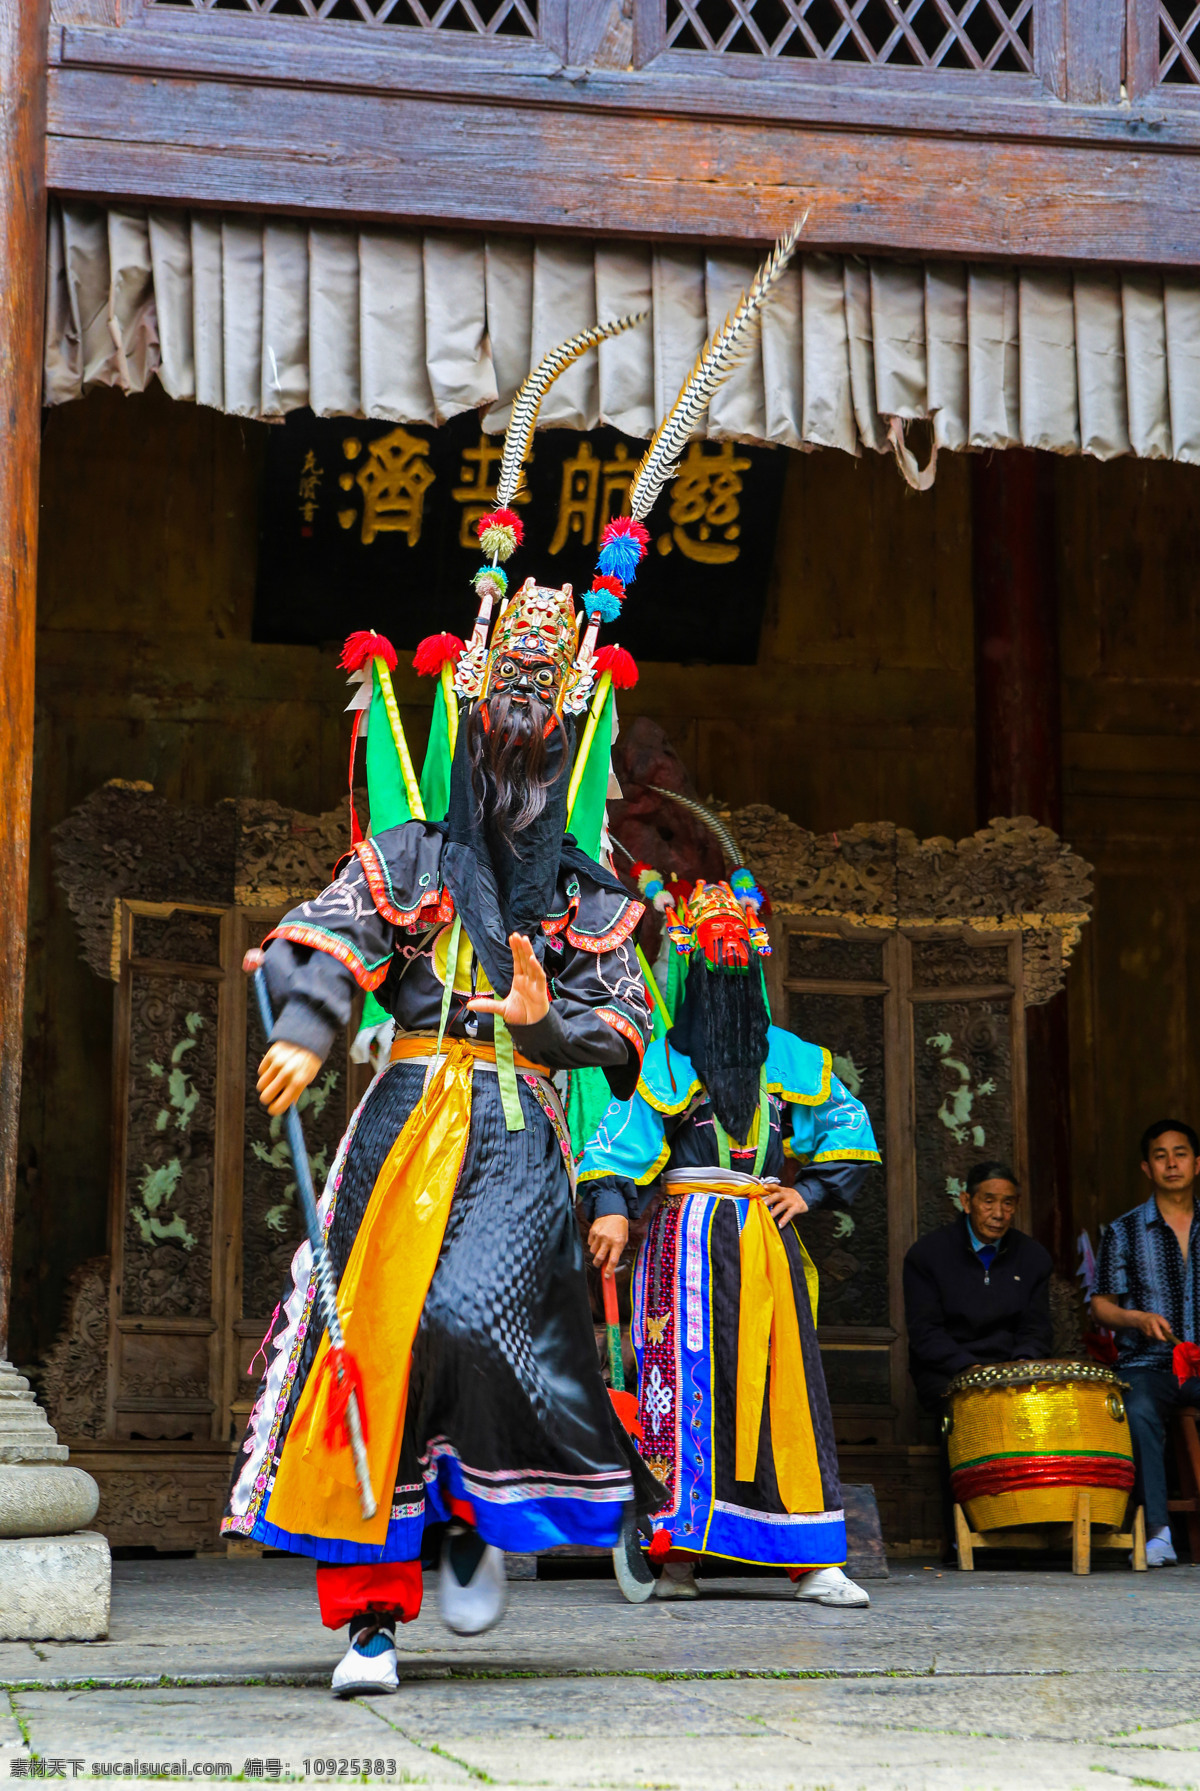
(500, 951)
(448, 1209)
(732, 1401)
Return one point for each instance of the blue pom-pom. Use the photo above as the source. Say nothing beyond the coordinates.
(603, 604)
(744, 887)
(619, 558)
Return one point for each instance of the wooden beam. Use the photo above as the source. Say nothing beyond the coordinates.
(23, 29)
(1080, 49)
(407, 159)
(1018, 762)
(675, 83)
(1095, 35)
(1018, 716)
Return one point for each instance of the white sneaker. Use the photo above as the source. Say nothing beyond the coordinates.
(829, 1585)
(678, 1580)
(358, 1673)
(1160, 1551)
(472, 1588)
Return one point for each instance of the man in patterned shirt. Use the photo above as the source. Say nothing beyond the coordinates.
(1148, 1291)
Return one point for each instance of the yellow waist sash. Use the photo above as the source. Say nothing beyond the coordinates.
(424, 1045)
(380, 1298)
(768, 1336)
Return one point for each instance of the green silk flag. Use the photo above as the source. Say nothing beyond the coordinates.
(389, 803)
(677, 968)
(586, 819)
(435, 774)
(385, 780)
(587, 1098)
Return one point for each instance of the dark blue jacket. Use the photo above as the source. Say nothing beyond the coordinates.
(959, 1313)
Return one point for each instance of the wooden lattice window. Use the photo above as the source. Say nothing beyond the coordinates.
(981, 35)
(482, 18)
(1179, 42)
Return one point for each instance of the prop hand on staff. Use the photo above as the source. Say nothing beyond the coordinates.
(286, 1070)
(607, 1240)
(784, 1205)
(528, 1001)
(284, 1074)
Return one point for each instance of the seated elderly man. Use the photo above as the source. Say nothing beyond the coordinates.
(1148, 1291)
(976, 1290)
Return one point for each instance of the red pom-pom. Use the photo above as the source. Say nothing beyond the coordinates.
(678, 890)
(625, 525)
(602, 582)
(365, 644)
(661, 1545)
(502, 519)
(638, 866)
(620, 666)
(435, 651)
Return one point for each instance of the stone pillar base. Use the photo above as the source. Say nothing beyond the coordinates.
(55, 1588)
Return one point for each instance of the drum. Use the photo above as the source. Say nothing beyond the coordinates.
(1025, 1437)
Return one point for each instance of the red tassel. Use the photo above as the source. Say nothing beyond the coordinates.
(1185, 1360)
(435, 651)
(365, 644)
(1101, 1345)
(620, 665)
(346, 1378)
(661, 1546)
(625, 1405)
(356, 832)
(625, 525)
(603, 581)
(502, 519)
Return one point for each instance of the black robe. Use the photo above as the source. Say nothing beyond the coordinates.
(506, 1405)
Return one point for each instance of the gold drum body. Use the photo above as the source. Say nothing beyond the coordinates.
(1025, 1438)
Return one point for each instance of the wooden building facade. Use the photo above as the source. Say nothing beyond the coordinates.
(1017, 638)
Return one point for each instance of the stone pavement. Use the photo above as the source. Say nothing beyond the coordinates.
(1004, 1679)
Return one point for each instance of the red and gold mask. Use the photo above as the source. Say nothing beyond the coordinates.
(713, 920)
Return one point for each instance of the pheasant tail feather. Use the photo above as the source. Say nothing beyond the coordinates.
(528, 400)
(717, 360)
(720, 832)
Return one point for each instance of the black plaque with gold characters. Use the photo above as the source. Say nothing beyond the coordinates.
(371, 525)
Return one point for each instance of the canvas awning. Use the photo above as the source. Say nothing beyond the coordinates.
(258, 316)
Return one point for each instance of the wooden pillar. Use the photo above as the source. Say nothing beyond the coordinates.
(24, 26)
(1018, 761)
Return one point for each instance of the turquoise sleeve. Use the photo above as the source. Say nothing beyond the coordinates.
(628, 1142)
(832, 1129)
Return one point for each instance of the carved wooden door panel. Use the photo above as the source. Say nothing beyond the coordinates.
(203, 1222)
(172, 1133)
(926, 1026)
(838, 987)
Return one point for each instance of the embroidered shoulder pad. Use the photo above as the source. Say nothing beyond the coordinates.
(593, 918)
(797, 1071)
(402, 867)
(667, 1082)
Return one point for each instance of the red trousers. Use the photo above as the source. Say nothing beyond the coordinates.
(391, 1588)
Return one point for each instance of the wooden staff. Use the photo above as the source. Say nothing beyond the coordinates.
(342, 1365)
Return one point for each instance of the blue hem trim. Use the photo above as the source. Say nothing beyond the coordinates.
(524, 1526)
(808, 1544)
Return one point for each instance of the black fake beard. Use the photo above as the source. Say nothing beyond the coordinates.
(510, 772)
(722, 1027)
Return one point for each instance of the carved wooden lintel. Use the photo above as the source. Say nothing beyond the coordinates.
(125, 841)
(1011, 876)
